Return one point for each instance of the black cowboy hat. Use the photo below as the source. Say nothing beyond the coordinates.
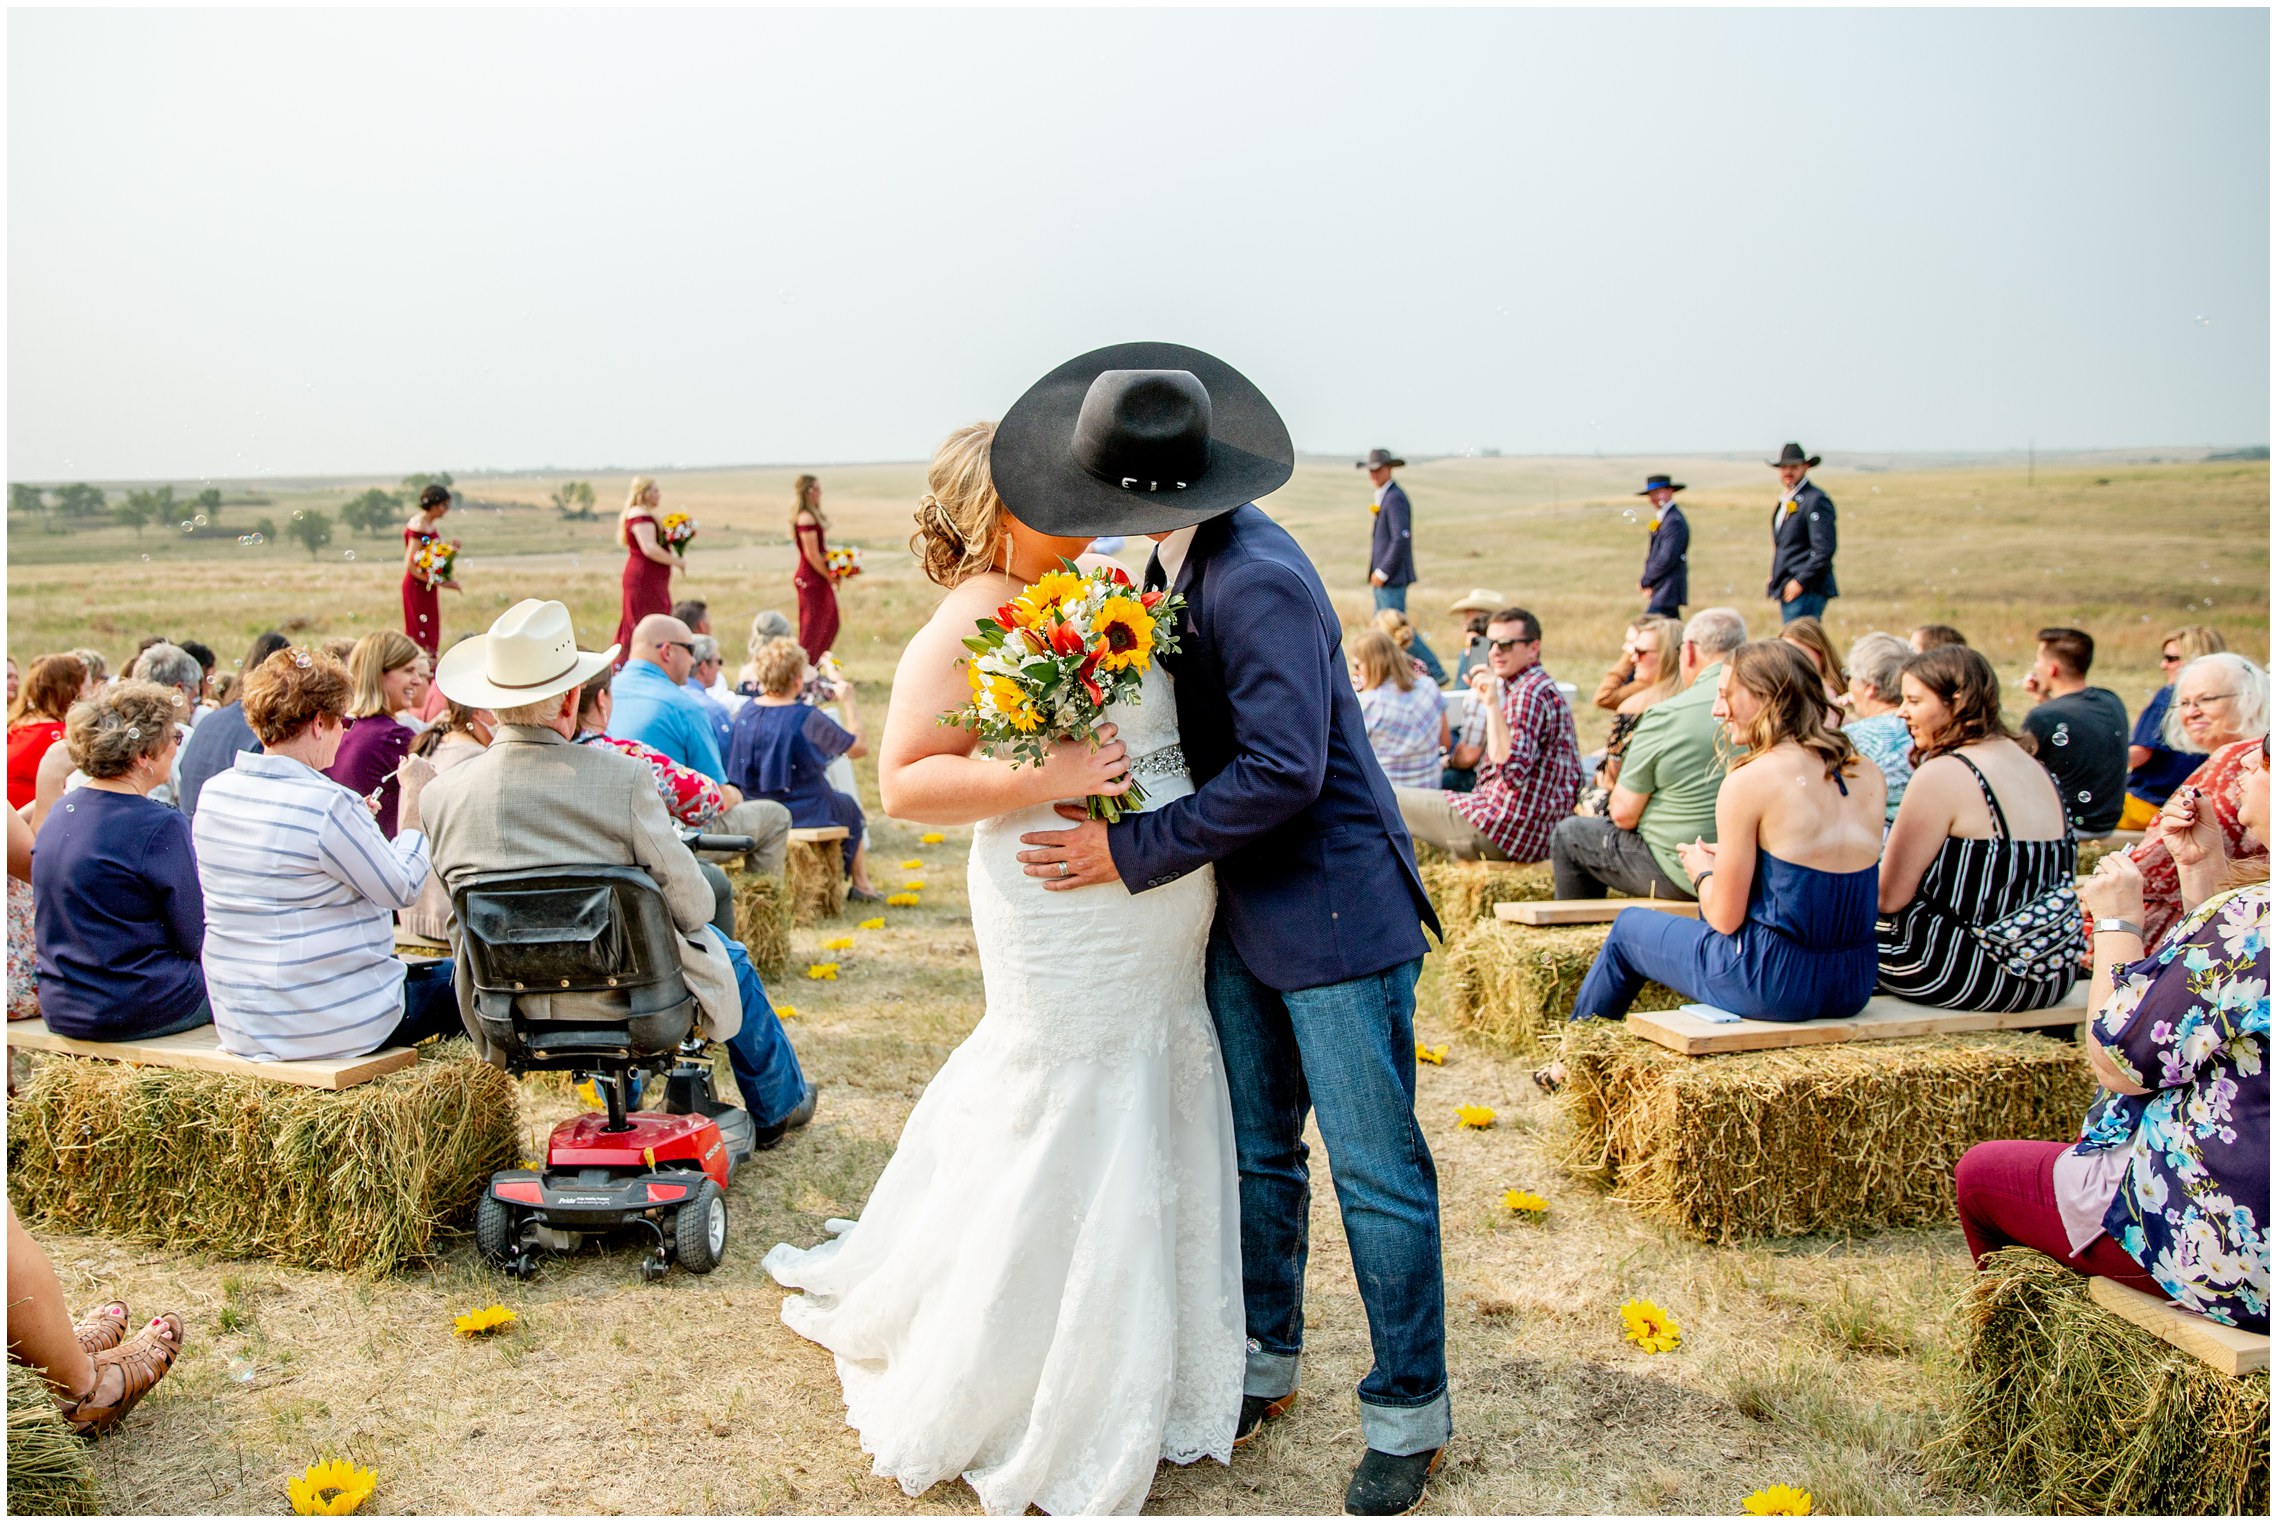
(1378, 457)
(1653, 484)
(1792, 454)
(1138, 439)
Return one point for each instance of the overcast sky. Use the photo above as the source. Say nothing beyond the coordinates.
(329, 242)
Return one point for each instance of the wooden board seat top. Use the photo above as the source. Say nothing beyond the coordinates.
(1884, 1019)
(809, 835)
(201, 1050)
(2231, 1350)
(1586, 911)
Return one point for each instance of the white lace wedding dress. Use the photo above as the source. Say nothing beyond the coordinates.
(1043, 1294)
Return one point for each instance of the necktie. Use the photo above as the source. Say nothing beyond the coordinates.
(1154, 580)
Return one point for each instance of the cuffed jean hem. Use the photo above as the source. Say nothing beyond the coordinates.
(1270, 1375)
(1407, 1430)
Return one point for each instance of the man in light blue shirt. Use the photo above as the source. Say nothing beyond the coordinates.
(652, 704)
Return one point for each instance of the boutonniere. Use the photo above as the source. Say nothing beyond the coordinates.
(1375, 507)
(1654, 526)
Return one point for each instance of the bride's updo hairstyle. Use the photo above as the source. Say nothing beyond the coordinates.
(960, 519)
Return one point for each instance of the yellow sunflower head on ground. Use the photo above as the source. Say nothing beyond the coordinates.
(1525, 1200)
(875, 923)
(1779, 1501)
(1435, 1056)
(902, 901)
(914, 864)
(822, 972)
(838, 944)
(931, 838)
(483, 1319)
(1648, 1327)
(330, 1489)
(1480, 1116)
(786, 1012)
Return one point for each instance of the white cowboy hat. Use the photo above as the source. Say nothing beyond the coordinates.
(529, 655)
(1479, 601)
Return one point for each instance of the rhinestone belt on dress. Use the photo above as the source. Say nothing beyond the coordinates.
(1163, 763)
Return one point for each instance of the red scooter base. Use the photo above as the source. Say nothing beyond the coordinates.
(655, 1141)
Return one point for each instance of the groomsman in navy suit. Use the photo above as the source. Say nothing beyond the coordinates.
(1391, 556)
(1802, 539)
(1664, 581)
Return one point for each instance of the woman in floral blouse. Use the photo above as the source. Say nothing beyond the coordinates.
(2167, 1188)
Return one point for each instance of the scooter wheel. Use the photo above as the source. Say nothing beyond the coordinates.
(494, 1232)
(699, 1230)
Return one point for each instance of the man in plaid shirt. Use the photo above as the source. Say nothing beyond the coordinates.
(1531, 772)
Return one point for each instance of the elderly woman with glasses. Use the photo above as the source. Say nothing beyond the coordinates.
(2154, 768)
(2221, 708)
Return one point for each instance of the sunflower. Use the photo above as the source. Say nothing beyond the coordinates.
(1127, 630)
(913, 884)
(1779, 1501)
(1649, 1328)
(786, 1012)
(330, 1489)
(914, 864)
(1524, 1200)
(902, 901)
(483, 1319)
(1051, 590)
(1480, 1116)
(1005, 696)
(1435, 1056)
(877, 923)
(822, 972)
(931, 838)
(838, 944)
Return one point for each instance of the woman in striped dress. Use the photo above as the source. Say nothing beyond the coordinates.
(1980, 834)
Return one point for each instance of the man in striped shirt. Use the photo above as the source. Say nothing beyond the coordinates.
(1530, 774)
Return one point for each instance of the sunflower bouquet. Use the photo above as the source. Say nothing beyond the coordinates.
(845, 561)
(675, 531)
(1046, 667)
(435, 559)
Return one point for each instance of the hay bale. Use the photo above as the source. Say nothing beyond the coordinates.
(763, 921)
(2092, 852)
(49, 1471)
(816, 871)
(1464, 893)
(1837, 1136)
(358, 1179)
(1515, 984)
(2064, 1407)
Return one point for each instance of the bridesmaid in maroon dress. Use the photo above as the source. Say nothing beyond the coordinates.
(648, 565)
(818, 595)
(422, 607)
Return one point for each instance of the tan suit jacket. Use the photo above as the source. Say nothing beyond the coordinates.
(535, 800)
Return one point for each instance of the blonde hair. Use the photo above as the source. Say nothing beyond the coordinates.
(375, 655)
(1394, 623)
(128, 720)
(99, 670)
(778, 667)
(1668, 635)
(633, 496)
(2195, 640)
(960, 519)
(1381, 660)
(802, 501)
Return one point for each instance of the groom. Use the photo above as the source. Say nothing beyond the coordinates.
(1313, 959)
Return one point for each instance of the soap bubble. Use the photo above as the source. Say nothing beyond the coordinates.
(347, 555)
(241, 1370)
(146, 557)
(188, 527)
(200, 520)
(1630, 514)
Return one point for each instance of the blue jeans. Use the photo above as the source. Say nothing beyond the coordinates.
(766, 1070)
(430, 1005)
(1347, 1052)
(1396, 597)
(1811, 605)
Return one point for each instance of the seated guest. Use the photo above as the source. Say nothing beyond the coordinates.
(1530, 773)
(1394, 622)
(1786, 890)
(301, 889)
(1671, 770)
(23, 948)
(783, 747)
(1620, 679)
(2155, 769)
(116, 914)
(653, 705)
(35, 720)
(389, 673)
(703, 679)
(1808, 635)
(534, 799)
(2221, 707)
(1930, 636)
(95, 1368)
(458, 734)
(769, 625)
(1472, 611)
(1656, 645)
(98, 670)
(1466, 736)
(208, 664)
(695, 613)
(1405, 714)
(1874, 725)
(1980, 836)
(214, 744)
(2082, 731)
(170, 666)
(2167, 1189)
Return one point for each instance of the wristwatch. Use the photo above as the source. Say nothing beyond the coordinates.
(2126, 927)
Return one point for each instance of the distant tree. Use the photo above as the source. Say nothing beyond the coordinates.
(208, 502)
(574, 499)
(313, 528)
(134, 512)
(375, 512)
(414, 484)
(266, 528)
(148, 505)
(79, 500)
(23, 498)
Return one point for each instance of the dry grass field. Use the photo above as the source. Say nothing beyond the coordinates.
(1821, 1363)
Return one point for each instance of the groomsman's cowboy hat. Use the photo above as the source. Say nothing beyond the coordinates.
(1792, 454)
(1653, 484)
(1479, 601)
(529, 655)
(1378, 457)
(1138, 439)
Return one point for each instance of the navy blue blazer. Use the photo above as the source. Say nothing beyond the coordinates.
(1316, 873)
(1665, 568)
(1802, 548)
(1393, 549)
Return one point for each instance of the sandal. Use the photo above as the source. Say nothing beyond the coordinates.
(1550, 1078)
(126, 1374)
(102, 1328)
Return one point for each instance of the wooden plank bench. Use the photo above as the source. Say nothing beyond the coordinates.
(1587, 911)
(2231, 1350)
(816, 868)
(201, 1050)
(1884, 1019)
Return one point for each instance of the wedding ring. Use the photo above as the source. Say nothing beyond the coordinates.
(1063, 869)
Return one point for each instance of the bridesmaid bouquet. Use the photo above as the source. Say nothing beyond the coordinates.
(845, 561)
(675, 531)
(1046, 667)
(435, 559)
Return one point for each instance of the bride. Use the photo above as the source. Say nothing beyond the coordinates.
(1043, 1294)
